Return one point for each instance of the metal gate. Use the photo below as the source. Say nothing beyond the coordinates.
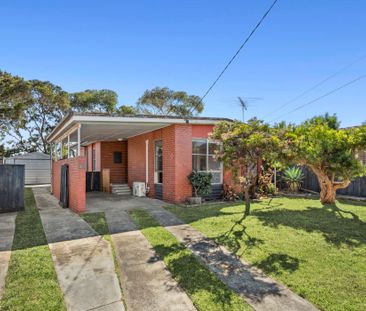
(64, 186)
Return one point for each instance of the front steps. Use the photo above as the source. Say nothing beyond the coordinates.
(120, 189)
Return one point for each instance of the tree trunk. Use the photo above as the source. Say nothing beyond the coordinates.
(328, 187)
(327, 192)
(247, 201)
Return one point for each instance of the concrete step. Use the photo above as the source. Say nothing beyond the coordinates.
(121, 192)
(121, 189)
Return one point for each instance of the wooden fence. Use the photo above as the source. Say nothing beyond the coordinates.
(11, 188)
(356, 188)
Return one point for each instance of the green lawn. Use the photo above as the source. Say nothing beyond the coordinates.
(31, 282)
(319, 252)
(206, 291)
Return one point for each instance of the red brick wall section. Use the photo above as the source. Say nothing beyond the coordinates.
(136, 150)
(118, 171)
(77, 191)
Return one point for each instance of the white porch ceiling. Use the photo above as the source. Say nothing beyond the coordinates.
(115, 131)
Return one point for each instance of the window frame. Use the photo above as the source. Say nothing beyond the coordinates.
(156, 171)
(207, 155)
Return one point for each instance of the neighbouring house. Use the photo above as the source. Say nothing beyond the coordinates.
(37, 167)
(157, 150)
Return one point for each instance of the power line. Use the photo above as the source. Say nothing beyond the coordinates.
(238, 51)
(315, 86)
(322, 96)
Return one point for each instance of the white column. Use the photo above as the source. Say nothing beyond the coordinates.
(79, 141)
(147, 161)
(68, 146)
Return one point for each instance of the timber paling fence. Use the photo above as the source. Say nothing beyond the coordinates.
(356, 188)
(11, 188)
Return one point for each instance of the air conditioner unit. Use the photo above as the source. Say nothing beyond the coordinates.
(139, 189)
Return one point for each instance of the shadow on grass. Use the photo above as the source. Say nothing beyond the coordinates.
(237, 235)
(337, 226)
(277, 263)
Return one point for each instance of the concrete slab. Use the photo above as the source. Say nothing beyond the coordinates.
(86, 274)
(7, 229)
(147, 284)
(260, 291)
(102, 202)
(83, 260)
(59, 224)
(119, 221)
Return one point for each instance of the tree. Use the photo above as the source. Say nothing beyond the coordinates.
(328, 151)
(127, 110)
(244, 145)
(29, 109)
(163, 101)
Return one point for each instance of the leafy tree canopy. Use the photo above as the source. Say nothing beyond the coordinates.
(330, 152)
(29, 109)
(163, 101)
(244, 144)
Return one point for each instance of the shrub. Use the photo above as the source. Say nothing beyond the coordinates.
(293, 176)
(230, 194)
(201, 182)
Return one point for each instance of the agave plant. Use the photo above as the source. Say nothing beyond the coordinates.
(293, 176)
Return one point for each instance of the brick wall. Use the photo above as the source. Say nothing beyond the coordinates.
(77, 193)
(118, 171)
(136, 150)
(177, 159)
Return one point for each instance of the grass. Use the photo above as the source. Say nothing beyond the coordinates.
(31, 282)
(206, 291)
(318, 251)
(99, 223)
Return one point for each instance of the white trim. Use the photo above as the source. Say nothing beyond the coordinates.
(68, 146)
(111, 119)
(147, 161)
(79, 141)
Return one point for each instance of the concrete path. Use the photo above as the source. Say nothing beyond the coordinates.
(260, 291)
(83, 260)
(146, 283)
(7, 229)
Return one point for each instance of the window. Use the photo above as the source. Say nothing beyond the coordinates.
(158, 162)
(203, 158)
(117, 157)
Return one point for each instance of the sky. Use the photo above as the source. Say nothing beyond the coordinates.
(131, 46)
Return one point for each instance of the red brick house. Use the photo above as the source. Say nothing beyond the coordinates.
(159, 151)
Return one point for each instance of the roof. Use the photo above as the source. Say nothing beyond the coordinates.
(31, 155)
(143, 123)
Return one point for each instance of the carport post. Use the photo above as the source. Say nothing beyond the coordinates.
(79, 141)
(68, 146)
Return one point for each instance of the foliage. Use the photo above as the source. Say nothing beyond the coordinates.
(166, 102)
(94, 101)
(271, 189)
(203, 287)
(330, 152)
(293, 176)
(265, 181)
(319, 253)
(230, 194)
(29, 110)
(244, 145)
(201, 182)
(127, 110)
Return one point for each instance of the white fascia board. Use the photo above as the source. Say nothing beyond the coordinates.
(109, 120)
